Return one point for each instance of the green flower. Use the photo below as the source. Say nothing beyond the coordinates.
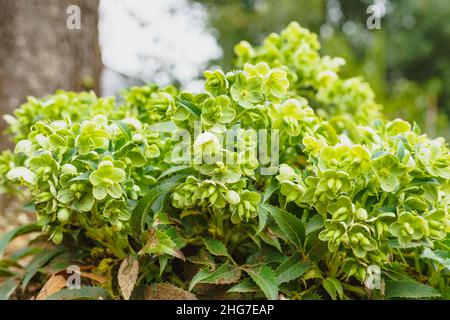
(221, 172)
(247, 91)
(207, 143)
(44, 165)
(74, 193)
(275, 84)
(292, 191)
(344, 210)
(438, 223)
(22, 174)
(360, 240)
(332, 184)
(435, 158)
(93, 135)
(409, 227)
(286, 173)
(211, 193)
(216, 82)
(183, 196)
(218, 110)
(389, 170)
(107, 178)
(352, 159)
(246, 208)
(292, 116)
(117, 213)
(334, 234)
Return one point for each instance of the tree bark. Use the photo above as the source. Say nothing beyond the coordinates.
(40, 54)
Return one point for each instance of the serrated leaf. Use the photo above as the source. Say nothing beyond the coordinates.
(273, 186)
(162, 264)
(333, 287)
(314, 224)
(262, 219)
(266, 280)
(245, 286)
(291, 226)
(6, 239)
(160, 243)
(440, 256)
(215, 247)
(291, 269)
(225, 274)
(409, 289)
(84, 293)
(270, 239)
(201, 275)
(139, 213)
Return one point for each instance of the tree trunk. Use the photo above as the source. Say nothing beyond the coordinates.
(40, 54)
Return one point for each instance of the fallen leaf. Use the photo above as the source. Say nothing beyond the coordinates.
(53, 285)
(128, 273)
(94, 277)
(167, 291)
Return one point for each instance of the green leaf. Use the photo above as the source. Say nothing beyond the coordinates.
(6, 239)
(262, 217)
(7, 288)
(291, 269)
(160, 243)
(266, 280)
(333, 287)
(314, 224)
(245, 286)
(215, 247)
(440, 256)
(125, 128)
(270, 239)
(201, 275)
(409, 289)
(86, 292)
(38, 261)
(189, 106)
(273, 186)
(291, 226)
(139, 214)
(173, 170)
(225, 274)
(162, 264)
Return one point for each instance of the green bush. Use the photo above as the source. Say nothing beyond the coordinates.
(353, 191)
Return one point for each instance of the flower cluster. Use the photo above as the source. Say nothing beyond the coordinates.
(388, 186)
(296, 51)
(83, 174)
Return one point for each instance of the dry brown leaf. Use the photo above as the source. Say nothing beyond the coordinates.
(94, 277)
(53, 285)
(167, 291)
(128, 273)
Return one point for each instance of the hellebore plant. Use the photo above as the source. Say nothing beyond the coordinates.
(351, 192)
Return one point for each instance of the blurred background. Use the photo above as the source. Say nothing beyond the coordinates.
(132, 42)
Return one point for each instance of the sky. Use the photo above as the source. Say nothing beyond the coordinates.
(154, 41)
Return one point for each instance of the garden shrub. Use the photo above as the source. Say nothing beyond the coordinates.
(352, 192)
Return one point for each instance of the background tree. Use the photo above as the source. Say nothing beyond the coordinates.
(39, 54)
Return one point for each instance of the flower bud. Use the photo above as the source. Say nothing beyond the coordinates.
(63, 215)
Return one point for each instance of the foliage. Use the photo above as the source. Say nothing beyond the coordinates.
(353, 191)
